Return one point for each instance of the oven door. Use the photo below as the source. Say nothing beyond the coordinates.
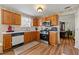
(44, 37)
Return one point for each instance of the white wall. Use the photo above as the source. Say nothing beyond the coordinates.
(77, 29)
(69, 21)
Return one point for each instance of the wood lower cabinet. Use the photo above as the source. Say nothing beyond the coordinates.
(38, 36)
(27, 37)
(53, 38)
(35, 35)
(7, 41)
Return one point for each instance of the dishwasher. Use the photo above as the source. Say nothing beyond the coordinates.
(17, 38)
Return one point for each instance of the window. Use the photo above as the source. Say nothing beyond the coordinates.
(26, 21)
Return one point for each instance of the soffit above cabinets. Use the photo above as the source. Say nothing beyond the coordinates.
(49, 9)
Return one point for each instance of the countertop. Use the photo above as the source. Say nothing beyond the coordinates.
(53, 31)
(14, 32)
(1, 35)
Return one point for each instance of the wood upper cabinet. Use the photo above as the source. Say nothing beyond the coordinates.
(36, 22)
(53, 38)
(10, 18)
(6, 17)
(54, 20)
(17, 19)
(7, 41)
(35, 35)
(27, 37)
(47, 18)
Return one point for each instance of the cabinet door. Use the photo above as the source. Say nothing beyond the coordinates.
(36, 22)
(54, 20)
(17, 19)
(10, 18)
(27, 37)
(53, 38)
(47, 18)
(6, 17)
(7, 41)
(35, 35)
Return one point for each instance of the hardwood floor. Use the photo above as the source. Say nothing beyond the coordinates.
(65, 48)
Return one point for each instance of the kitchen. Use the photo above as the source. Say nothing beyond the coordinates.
(16, 35)
(20, 29)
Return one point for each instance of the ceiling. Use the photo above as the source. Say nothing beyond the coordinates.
(49, 9)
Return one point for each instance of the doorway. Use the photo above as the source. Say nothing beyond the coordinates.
(67, 27)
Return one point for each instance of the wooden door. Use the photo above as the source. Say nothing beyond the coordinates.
(27, 37)
(10, 18)
(36, 22)
(54, 20)
(6, 17)
(53, 38)
(7, 41)
(17, 19)
(35, 35)
(47, 18)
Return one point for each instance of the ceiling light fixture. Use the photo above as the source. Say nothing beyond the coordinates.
(40, 9)
(68, 7)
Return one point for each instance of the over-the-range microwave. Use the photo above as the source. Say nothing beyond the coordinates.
(46, 23)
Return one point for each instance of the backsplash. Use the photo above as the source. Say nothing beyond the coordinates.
(4, 28)
(33, 28)
(18, 28)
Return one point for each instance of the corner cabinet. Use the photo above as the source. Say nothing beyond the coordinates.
(10, 18)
